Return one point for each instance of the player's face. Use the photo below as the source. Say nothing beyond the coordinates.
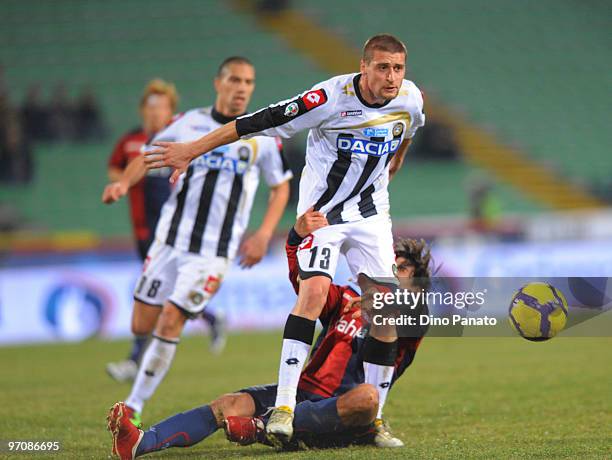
(405, 272)
(234, 88)
(156, 112)
(384, 74)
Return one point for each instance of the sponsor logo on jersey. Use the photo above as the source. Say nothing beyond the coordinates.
(292, 362)
(364, 147)
(314, 98)
(233, 165)
(291, 110)
(376, 132)
(351, 113)
(350, 328)
(398, 129)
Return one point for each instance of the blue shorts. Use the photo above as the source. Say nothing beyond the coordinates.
(264, 397)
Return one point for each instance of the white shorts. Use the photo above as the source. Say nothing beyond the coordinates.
(367, 245)
(187, 280)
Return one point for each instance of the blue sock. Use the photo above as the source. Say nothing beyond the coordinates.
(209, 317)
(138, 346)
(318, 417)
(180, 430)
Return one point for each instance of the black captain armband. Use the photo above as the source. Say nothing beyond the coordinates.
(279, 114)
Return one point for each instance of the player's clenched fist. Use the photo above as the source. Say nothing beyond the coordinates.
(112, 192)
(310, 221)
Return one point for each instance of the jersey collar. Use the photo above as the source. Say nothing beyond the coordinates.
(222, 119)
(356, 79)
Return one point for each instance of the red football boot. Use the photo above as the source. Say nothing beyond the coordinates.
(244, 430)
(126, 435)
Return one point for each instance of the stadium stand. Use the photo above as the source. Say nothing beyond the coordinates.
(88, 43)
(504, 64)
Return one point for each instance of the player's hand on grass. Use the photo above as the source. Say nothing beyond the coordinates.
(112, 192)
(310, 221)
(253, 249)
(176, 155)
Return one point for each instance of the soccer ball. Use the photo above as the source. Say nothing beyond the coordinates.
(538, 311)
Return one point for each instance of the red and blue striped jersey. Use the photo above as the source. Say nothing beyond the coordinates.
(336, 360)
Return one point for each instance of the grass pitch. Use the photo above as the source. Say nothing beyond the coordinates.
(463, 398)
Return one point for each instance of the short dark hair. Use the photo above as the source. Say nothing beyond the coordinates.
(418, 254)
(232, 60)
(382, 42)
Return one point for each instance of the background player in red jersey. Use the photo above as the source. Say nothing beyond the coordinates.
(157, 106)
(335, 407)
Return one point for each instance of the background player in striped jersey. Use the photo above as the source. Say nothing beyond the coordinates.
(202, 223)
(360, 126)
(335, 407)
(146, 198)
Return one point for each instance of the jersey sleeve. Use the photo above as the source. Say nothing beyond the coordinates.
(118, 159)
(417, 115)
(286, 118)
(272, 162)
(293, 241)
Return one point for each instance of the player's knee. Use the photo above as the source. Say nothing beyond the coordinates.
(313, 294)
(140, 327)
(170, 322)
(228, 405)
(366, 405)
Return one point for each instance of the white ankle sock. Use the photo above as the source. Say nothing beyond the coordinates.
(293, 356)
(153, 368)
(380, 377)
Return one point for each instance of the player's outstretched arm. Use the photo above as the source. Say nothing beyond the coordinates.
(255, 247)
(178, 155)
(131, 175)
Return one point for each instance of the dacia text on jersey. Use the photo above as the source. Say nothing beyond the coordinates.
(366, 147)
(216, 160)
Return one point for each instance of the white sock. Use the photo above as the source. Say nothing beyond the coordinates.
(380, 377)
(153, 368)
(293, 356)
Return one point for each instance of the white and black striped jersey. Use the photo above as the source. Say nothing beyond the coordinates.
(208, 210)
(349, 146)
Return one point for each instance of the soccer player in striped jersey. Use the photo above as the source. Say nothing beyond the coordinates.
(360, 127)
(157, 106)
(335, 408)
(202, 223)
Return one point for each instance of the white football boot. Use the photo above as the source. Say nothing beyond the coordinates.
(279, 429)
(122, 371)
(384, 437)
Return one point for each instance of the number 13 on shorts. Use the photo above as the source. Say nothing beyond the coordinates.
(316, 259)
